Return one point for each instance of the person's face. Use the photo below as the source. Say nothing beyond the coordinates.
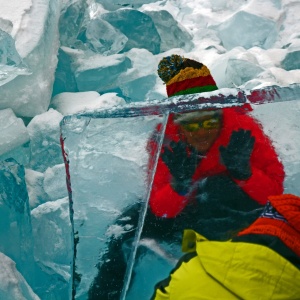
(202, 131)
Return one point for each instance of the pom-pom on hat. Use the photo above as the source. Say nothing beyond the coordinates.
(185, 76)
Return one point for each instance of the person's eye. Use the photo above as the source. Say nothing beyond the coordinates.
(191, 126)
(212, 123)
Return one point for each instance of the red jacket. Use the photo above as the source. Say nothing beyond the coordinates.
(267, 170)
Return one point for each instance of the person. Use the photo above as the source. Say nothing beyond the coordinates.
(214, 173)
(217, 158)
(260, 262)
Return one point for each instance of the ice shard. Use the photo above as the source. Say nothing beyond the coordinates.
(71, 19)
(94, 72)
(291, 61)
(240, 71)
(15, 230)
(64, 77)
(137, 27)
(35, 188)
(14, 137)
(101, 37)
(11, 64)
(53, 254)
(171, 33)
(37, 44)
(54, 187)
(250, 31)
(44, 136)
(116, 4)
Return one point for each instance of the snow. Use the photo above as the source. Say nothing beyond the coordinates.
(45, 148)
(267, 9)
(13, 11)
(72, 103)
(98, 61)
(13, 286)
(28, 19)
(33, 26)
(13, 131)
(34, 183)
(54, 187)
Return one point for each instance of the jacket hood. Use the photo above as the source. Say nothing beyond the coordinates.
(247, 271)
(250, 271)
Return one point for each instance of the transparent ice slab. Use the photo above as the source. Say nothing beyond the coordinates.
(105, 155)
(107, 161)
(155, 259)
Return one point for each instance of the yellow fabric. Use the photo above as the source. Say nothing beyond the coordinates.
(190, 239)
(189, 73)
(227, 270)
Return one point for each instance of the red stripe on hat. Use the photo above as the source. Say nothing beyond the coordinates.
(189, 83)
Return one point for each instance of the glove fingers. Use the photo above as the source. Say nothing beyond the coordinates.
(241, 139)
(247, 134)
(252, 140)
(178, 148)
(173, 144)
(167, 155)
(167, 151)
(222, 150)
(193, 152)
(248, 144)
(181, 146)
(180, 162)
(235, 140)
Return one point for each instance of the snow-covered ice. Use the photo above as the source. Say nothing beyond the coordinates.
(14, 134)
(52, 249)
(45, 148)
(72, 103)
(33, 26)
(62, 57)
(12, 284)
(16, 231)
(35, 188)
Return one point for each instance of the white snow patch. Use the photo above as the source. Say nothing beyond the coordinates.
(72, 103)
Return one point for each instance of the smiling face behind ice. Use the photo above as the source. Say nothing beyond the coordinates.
(200, 129)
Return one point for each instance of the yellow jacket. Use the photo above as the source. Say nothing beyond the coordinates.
(231, 270)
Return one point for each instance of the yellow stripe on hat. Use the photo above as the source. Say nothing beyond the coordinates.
(189, 73)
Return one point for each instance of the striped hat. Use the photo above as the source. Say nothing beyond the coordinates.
(185, 76)
(281, 218)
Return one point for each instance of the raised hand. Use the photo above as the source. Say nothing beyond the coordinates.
(181, 163)
(236, 155)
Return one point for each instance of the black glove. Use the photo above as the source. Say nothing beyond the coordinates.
(181, 165)
(236, 156)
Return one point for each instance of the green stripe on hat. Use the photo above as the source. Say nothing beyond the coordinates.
(197, 89)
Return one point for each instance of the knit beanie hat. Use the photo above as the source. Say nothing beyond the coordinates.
(185, 76)
(281, 218)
